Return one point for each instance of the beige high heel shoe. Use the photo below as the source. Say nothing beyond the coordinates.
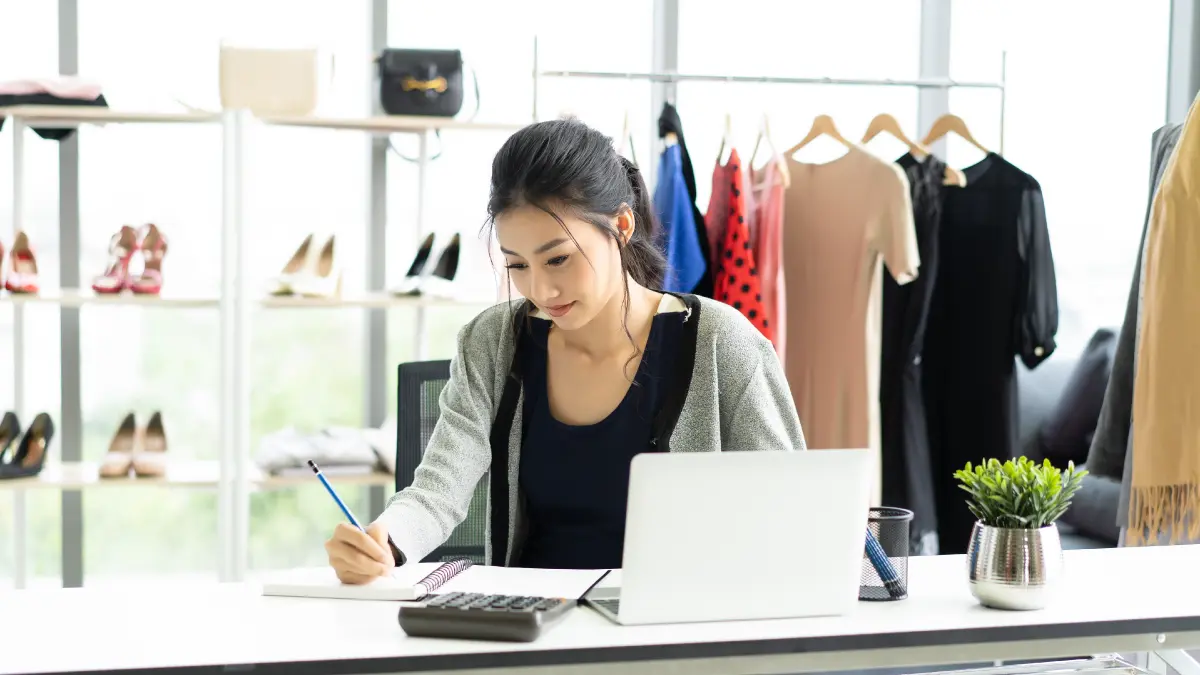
(150, 459)
(119, 459)
(295, 267)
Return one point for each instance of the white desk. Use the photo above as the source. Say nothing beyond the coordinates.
(1114, 600)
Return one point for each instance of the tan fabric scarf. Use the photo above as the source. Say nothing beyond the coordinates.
(1165, 495)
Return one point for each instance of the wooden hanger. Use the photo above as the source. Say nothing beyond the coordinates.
(947, 123)
(764, 134)
(884, 122)
(887, 123)
(822, 124)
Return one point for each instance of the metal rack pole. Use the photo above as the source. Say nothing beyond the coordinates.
(420, 337)
(673, 77)
(376, 321)
(20, 515)
(536, 78)
(1003, 94)
(233, 491)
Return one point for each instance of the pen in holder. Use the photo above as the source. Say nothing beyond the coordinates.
(885, 555)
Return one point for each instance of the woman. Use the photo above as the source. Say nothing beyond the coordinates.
(556, 393)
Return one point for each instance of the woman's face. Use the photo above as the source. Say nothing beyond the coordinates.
(569, 282)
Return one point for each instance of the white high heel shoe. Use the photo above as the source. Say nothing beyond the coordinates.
(322, 279)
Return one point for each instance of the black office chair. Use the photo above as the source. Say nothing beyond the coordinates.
(420, 386)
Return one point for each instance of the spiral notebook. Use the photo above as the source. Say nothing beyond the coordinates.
(415, 580)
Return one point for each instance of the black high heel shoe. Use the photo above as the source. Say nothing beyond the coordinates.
(447, 265)
(411, 285)
(32, 451)
(10, 431)
(440, 282)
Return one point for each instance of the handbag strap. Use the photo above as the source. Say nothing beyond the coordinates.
(438, 132)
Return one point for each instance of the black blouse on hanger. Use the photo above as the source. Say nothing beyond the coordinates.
(995, 297)
(906, 470)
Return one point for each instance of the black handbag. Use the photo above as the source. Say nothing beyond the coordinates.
(422, 82)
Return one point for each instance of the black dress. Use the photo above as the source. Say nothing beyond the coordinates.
(575, 478)
(906, 470)
(995, 297)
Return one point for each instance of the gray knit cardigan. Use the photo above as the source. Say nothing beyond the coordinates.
(737, 399)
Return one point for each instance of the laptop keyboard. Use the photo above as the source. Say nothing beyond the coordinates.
(613, 605)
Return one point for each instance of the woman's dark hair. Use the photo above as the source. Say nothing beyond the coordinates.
(564, 165)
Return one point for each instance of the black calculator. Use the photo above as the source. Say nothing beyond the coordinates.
(476, 616)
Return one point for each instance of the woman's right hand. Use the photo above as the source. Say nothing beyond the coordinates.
(359, 557)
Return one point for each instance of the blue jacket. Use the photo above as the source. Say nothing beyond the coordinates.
(681, 244)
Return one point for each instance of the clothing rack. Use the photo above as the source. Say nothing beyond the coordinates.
(676, 77)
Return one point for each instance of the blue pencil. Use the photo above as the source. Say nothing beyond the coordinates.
(887, 572)
(336, 498)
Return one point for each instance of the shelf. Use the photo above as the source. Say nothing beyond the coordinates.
(303, 476)
(387, 124)
(86, 475)
(373, 299)
(76, 297)
(180, 473)
(70, 116)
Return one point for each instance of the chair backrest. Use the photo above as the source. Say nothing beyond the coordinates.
(420, 387)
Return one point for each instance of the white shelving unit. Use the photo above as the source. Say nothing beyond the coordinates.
(232, 475)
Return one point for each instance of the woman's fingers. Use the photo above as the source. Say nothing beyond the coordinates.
(364, 543)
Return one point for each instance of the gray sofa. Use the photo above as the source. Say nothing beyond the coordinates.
(1091, 520)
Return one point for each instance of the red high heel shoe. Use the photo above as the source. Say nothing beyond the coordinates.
(120, 251)
(23, 272)
(154, 249)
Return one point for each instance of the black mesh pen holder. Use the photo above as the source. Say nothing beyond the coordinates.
(885, 556)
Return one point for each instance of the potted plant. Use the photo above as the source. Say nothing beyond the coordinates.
(1014, 560)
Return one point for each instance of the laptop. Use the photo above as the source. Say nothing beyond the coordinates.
(728, 536)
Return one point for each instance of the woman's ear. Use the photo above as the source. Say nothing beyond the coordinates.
(626, 224)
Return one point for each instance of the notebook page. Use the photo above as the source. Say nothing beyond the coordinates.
(322, 582)
(549, 583)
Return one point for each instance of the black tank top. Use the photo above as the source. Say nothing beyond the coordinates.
(575, 479)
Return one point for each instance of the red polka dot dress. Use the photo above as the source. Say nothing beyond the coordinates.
(737, 280)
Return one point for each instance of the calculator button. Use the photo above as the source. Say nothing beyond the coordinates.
(465, 600)
(548, 603)
(525, 603)
(485, 601)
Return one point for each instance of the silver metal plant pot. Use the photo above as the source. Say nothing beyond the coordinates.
(1014, 568)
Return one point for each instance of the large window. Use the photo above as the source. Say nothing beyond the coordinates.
(1079, 116)
(306, 365)
(29, 48)
(874, 39)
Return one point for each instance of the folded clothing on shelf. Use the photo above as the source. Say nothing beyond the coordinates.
(63, 90)
(335, 449)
